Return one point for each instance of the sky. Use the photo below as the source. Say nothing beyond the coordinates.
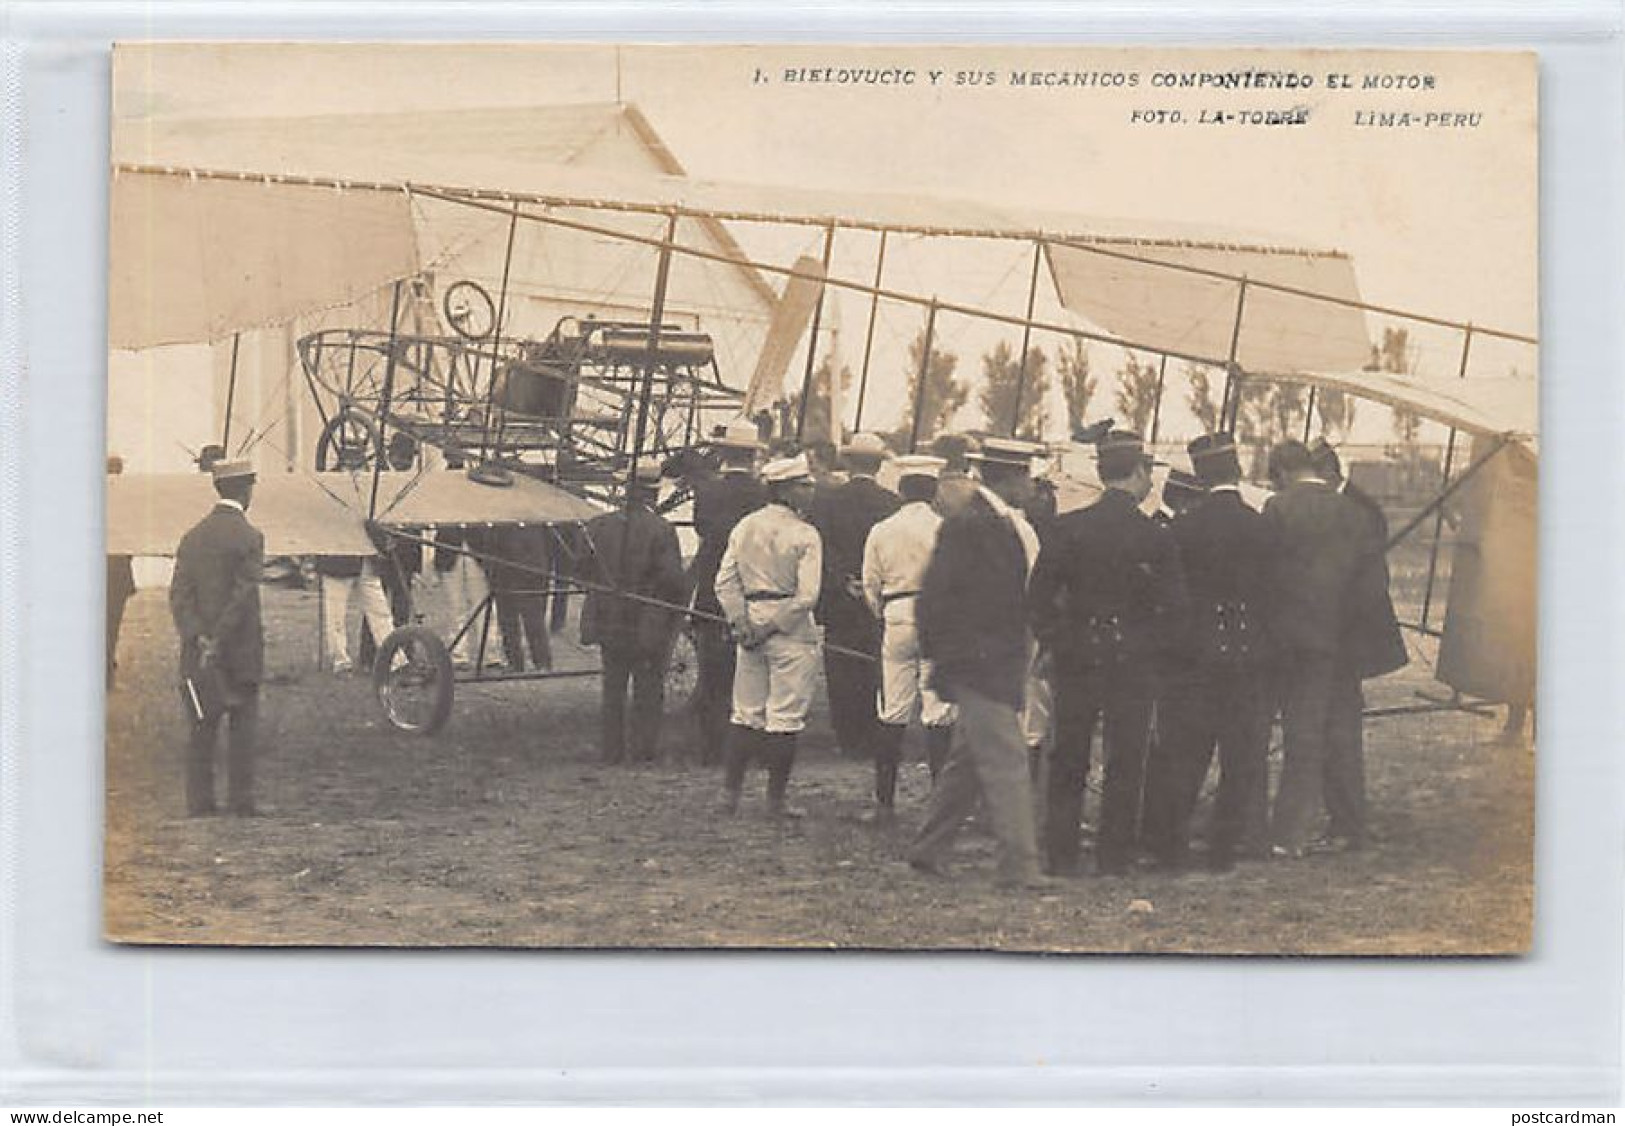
(1438, 219)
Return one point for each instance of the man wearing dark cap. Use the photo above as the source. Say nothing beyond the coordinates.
(970, 618)
(1373, 646)
(214, 597)
(1107, 597)
(636, 572)
(844, 516)
(721, 500)
(1215, 691)
(1321, 542)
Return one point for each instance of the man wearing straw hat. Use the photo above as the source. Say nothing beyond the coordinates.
(214, 597)
(767, 585)
(720, 502)
(844, 516)
(971, 617)
(1107, 596)
(895, 557)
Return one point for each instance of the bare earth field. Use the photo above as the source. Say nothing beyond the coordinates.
(504, 830)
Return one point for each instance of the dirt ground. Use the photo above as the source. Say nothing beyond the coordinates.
(504, 830)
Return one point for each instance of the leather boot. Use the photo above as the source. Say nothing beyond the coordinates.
(938, 742)
(744, 743)
(781, 759)
(888, 744)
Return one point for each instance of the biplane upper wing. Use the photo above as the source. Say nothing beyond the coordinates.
(195, 260)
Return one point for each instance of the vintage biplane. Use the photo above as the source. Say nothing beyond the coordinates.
(511, 420)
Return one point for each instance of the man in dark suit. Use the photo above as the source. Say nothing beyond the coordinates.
(1107, 597)
(1215, 687)
(721, 500)
(844, 517)
(519, 565)
(633, 553)
(1373, 646)
(971, 618)
(214, 597)
(1322, 543)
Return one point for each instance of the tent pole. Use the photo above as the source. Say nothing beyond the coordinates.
(920, 387)
(231, 393)
(1309, 415)
(1026, 335)
(812, 348)
(1232, 382)
(496, 343)
(1449, 463)
(383, 410)
(869, 333)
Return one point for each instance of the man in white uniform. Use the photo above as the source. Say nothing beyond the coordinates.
(895, 557)
(767, 585)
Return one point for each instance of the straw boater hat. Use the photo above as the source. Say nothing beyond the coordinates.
(1214, 458)
(866, 445)
(740, 434)
(920, 465)
(236, 470)
(1008, 454)
(787, 469)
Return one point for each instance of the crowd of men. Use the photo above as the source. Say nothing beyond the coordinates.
(963, 603)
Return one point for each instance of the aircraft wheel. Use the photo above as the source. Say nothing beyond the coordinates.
(412, 678)
(682, 672)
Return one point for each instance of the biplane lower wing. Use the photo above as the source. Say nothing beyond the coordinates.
(301, 514)
(1507, 406)
(148, 513)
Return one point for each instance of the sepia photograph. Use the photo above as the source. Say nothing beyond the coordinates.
(824, 496)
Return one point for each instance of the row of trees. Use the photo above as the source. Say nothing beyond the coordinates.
(1266, 412)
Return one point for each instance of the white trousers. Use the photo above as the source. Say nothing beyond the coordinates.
(905, 679)
(336, 598)
(1038, 710)
(774, 683)
(462, 589)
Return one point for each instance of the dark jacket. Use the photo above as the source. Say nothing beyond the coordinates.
(1319, 542)
(1373, 643)
(643, 561)
(517, 557)
(971, 612)
(1224, 547)
(1108, 587)
(844, 519)
(720, 502)
(215, 592)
